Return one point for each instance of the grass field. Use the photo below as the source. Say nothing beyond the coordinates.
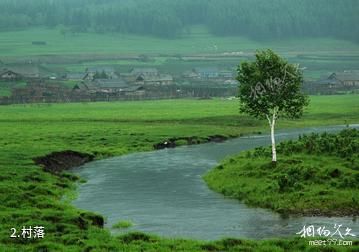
(76, 52)
(19, 43)
(31, 196)
(316, 175)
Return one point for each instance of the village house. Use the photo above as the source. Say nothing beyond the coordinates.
(8, 75)
(109, 86)
(159, 80)
(75, 76)
(40, 92)
(348, 79)
(26, 71)
(336, 82)
(329, 83)
(339, 80)
(226, 74)
(190, 75)
(109, 73)
(207, 72)
(144, 71)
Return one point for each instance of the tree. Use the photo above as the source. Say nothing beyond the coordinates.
(100, 75)
(270, 88)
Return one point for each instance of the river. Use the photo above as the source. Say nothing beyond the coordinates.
(162, 192)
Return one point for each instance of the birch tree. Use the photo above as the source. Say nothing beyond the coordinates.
(270, 88)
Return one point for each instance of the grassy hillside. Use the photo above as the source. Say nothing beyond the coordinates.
(198, 40)
(31, 196)
(76, 52)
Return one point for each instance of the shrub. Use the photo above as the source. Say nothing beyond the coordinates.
(123, 224)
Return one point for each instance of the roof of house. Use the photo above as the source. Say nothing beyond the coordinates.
(26, 70)
(92, 87)
(226, 72)
(327, 81)
(2, 71)
(162, 77)
(81, 86)
(110, 83)
(75, 76)
(349, 76)
(132, 88)
(144, 71)
(206, 70)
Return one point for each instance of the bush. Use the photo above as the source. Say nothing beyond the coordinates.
(123, 224)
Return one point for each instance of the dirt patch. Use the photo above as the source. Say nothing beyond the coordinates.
(177, 141)
(57, 162)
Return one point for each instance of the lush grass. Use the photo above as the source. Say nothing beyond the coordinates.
(30, 196)
(122, 224)
(317, 174)
(18, 43)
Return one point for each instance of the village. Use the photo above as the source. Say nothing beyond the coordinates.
(107, 84)
(31, 83)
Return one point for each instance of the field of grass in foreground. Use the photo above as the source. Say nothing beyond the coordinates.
(315, 175)
(33, 197)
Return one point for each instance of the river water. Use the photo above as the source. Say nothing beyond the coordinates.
(162, 192)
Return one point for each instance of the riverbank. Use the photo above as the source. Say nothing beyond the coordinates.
(317, 175)
(31, 196)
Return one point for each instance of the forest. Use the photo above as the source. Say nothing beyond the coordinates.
(257, 19)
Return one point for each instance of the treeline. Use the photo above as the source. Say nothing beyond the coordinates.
(259, 19)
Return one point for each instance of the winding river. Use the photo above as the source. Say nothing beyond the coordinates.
(162, 192)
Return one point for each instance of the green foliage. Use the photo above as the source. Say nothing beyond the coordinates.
(270, 85)
(258, 19)
(344, 145)
(311, 178)
(101, 75)
(122, 224)
(314, 51)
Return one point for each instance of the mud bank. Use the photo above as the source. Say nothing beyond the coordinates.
(56, 162)
(178, 141)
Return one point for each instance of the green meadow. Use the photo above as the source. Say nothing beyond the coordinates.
(32, 197)
(197, 40)
(74, 52)
(315, 175)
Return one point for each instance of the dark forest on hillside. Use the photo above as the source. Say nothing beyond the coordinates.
(258, 19)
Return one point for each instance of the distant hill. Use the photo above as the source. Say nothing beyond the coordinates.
(258, 19)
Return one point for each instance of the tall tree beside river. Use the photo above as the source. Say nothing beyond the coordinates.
(270, 88)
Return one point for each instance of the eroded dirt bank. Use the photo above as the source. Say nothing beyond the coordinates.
(57, 162)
